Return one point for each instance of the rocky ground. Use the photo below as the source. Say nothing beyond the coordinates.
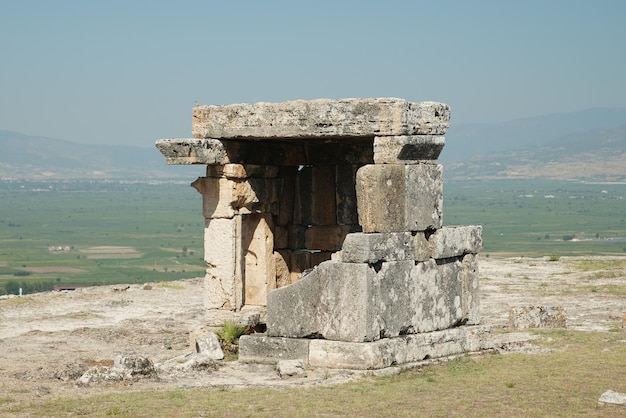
(49, 340)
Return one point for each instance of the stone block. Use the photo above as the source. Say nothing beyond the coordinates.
(303, 197)
(318, 257)
(296, 235)
(448, 242)
(259, 263)
(439, 295)
(260, 348)
(225, 198)
(291, 368)
(286, 195)
(299, 262)
(345, 179)
(193, 151)
(322, 118)
(394, 297)
(407, 149)
(240, 171)
(281, 237)
(209, 345)
(325, 238)
(470, 299)
(397, 351)
(331, 302)
(375, 247)
(323, 201)
(283, 276)
(538, 317)
(224, 258)
(400, 198)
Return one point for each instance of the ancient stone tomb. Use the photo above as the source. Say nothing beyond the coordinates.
(323, 219)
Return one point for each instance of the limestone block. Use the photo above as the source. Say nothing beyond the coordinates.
(241, 171)
(283, 276)
(318, 257)
(225, 198)
(439, 295)
(209, 345)
(299, 262)
(296, 235)
(399, 198)
(371, 248)
(286, 195)
(407, 149)
(332, 302)
(323, 202)
(395, 298)
(259, 348)
(193, 151)
(448, 242)
(223, 255)
(326, 238)
(291, 368)
(470, 300)
(259, 263)
(281, 237)
(397, 351)
(322, 118)
(345, 179)
(538, 317)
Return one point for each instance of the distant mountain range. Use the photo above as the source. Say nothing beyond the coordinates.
(584, 145)
(25, 157)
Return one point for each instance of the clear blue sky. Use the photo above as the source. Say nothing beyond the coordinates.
(129, 72)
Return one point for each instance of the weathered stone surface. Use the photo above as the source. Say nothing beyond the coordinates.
(394, 298)
(400, 198)
(611, 397)
(448, 242)
(193, 151)
(345, 176)
(241, 171)
(285, 153)
(439, 293)
(470, 299)
(209, 345)
(225, 198)
(332, 302)
(291, 368)
(324, 207)
(537, 317)
(371, 248)
(321, 118)
(396, 351)
(326, 238)
(407, 149)
(286, 195)
(260, 348)
(224, 258)
(259, 263)
(283, 276)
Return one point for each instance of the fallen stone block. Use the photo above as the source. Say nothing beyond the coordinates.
(322, 118)
(209, 345)
(537, 317)
(611, 397)
(291, 368)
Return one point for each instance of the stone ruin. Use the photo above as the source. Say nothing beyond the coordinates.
(324, 229)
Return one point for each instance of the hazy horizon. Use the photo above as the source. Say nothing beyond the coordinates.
(128, 73)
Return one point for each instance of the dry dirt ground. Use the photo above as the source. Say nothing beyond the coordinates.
(48, 340)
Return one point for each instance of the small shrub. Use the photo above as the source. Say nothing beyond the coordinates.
(229, 336)
(554, 257)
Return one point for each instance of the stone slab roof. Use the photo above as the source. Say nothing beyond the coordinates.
(321, 118)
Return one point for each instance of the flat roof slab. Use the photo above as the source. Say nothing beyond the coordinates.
(321, 118)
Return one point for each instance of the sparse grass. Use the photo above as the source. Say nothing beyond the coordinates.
(517, 384)
(598, 266)
(554, 257)
(170, 285)
(229, 338)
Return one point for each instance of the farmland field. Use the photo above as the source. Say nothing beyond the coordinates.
(89, 233)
